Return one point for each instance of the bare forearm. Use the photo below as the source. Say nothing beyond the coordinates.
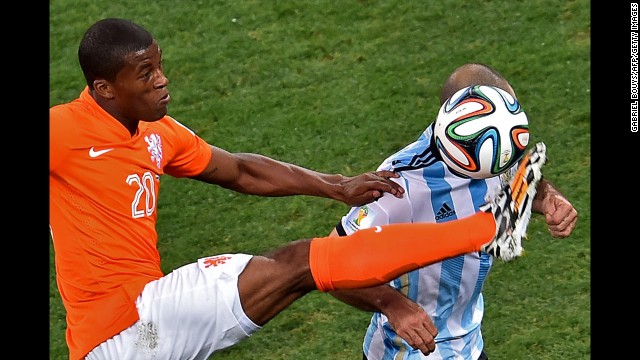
(256, 174)
(406, 317)
(375, 299)
(541, 193)
(261, 175)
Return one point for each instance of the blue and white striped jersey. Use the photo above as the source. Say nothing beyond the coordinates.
(449, 291)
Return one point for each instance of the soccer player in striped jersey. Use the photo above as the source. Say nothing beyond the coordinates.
(449, 292)
(107, 151)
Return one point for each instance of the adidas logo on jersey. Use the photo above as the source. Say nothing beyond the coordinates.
(444, 212)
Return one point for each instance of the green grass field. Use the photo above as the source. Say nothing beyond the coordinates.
(337, 86)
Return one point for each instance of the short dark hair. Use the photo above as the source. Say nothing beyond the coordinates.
(105, 45)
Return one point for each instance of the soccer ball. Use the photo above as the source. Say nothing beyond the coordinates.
(481, 131)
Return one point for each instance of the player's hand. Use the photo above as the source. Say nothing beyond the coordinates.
(412, 324)
(365, 188)
(559, 213)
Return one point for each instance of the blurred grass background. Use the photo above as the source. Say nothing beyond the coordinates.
(337, 86)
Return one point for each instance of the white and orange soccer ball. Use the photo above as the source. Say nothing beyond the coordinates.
(481, 131)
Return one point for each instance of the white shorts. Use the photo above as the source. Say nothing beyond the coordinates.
(188, 314)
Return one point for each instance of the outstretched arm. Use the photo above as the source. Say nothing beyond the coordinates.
(407, 318)
(559, 213)
(256, 174)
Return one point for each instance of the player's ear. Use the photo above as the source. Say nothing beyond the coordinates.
(102, 88)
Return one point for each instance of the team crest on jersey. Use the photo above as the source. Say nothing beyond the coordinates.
(362, 218)
(155, 148)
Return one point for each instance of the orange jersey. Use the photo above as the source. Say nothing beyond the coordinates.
(103, 199)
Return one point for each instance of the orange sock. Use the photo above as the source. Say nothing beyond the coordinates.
(372, 256)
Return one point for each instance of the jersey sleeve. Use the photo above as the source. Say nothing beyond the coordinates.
(61, 132)
(386, 210)
(191, 152)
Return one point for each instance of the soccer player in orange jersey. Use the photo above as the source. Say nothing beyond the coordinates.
(108, 149)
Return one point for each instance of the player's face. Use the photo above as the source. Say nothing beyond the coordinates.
(140, 88)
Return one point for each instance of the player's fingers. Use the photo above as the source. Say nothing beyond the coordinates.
(561, 218)
(418, 338)
(430, 327)
(391, 186)
(563, 229)
(426, 339)
(568, 228)
(427, 347)
(422, 346)
(387, 174)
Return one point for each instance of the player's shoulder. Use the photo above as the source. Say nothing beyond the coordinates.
(168, 123)
(65, 112)
(64, 120)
